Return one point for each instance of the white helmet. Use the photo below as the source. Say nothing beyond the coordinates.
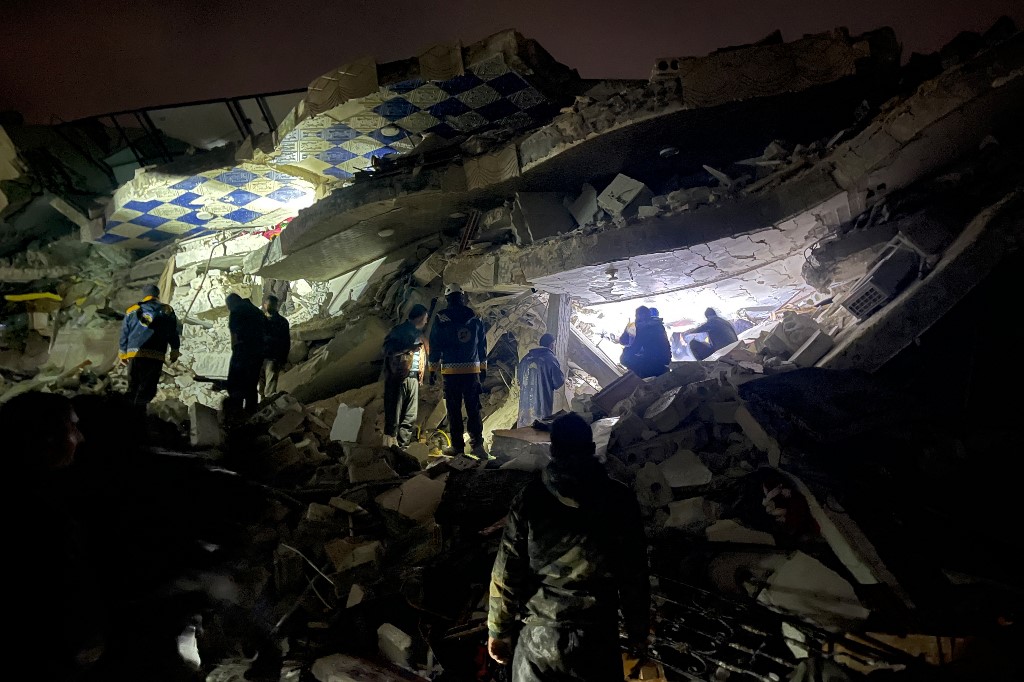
(453, 288)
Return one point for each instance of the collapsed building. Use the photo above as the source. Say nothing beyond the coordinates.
(818, 496)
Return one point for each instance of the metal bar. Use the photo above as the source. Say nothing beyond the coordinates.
(158, 134)
(194, 103)
(234, 117)
(242, 118)
(124, 136)
(268, 115)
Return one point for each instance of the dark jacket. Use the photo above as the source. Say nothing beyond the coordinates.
(571, 566)
(276, 338)
(458, 342)
(405, 338)
(539, 375)
(247, 324)
(720, 332)
(149, 327)
(650, 353)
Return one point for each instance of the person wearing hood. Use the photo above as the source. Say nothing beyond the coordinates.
(650, 352)
(573, 554)
(539, 375)
(148, 329)
(720, 334)
(458, 347)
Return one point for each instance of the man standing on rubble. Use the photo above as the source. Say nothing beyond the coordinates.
(650, 352)
(148, 329)
(572, 555)
(277, 342)
(403, 373)
(247, 324)
(720, 334)
(539, 375)
(458, 347)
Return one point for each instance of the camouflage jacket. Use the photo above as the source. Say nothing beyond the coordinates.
(571, 566)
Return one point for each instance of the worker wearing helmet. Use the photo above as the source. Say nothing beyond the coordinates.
(458, 348)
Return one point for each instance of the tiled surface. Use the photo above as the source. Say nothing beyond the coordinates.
(488, 94)
(248, 195)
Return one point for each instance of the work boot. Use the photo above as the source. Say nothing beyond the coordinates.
(479, 451)
(453, 450)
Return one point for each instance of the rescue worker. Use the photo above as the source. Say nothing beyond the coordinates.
(458, 347)
(276, 344)
(149, 327)
(720, 334)
(539, 375)
(403, 373)
(246, 323)
(572, 555)
(650, 352)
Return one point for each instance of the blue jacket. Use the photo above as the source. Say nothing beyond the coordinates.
(149, 327)
(539, 376)
(458, 342)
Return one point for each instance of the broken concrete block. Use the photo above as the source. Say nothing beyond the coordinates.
(395, 645)
(647, 211)
(345, 362)
(624, 196)
(347, 423)
(421, 451)
(356, 595)
(367, 464)
(320, 512)
(348, 553)
(416, 499)
(728, 530)
(290, 422)
(537, 215)
(347, 506)
(684, 469)
(652, 490)
(687, 514)
(627, 431)
(283, 455)
(724, 412)
(203, 426)
(813, 349)
(758, 436)
(526, 449)
(585, 208)
(805, 586)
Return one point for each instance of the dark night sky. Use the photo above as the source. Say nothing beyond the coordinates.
(73, 58)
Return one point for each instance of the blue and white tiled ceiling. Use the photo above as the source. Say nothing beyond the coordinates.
(247, 195)
(488, 95)
(326, 150)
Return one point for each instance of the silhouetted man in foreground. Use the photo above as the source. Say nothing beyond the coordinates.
(572, 555)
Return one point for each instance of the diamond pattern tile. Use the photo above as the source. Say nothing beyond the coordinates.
(489, 94)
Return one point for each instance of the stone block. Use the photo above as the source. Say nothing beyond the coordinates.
(617, 391)
(758, 436)
(624, 196)
(348, 553)
(416, 499)
(320, 512)
(813, 349)
(627, 431)
(525, 448)
(347, 423)
(684, 469)
(346, 362)
(687, 515)
(356, 595)
(395, 645)
(724, 412)
(347, 506)
(652, 490)
(537, 215)
(289, 423)
(585, 208)
(204, 427)
(367, 464)
(673, 407)
(282, 456)
(728, 530)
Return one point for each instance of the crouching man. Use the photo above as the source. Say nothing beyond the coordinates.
(573, 554)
